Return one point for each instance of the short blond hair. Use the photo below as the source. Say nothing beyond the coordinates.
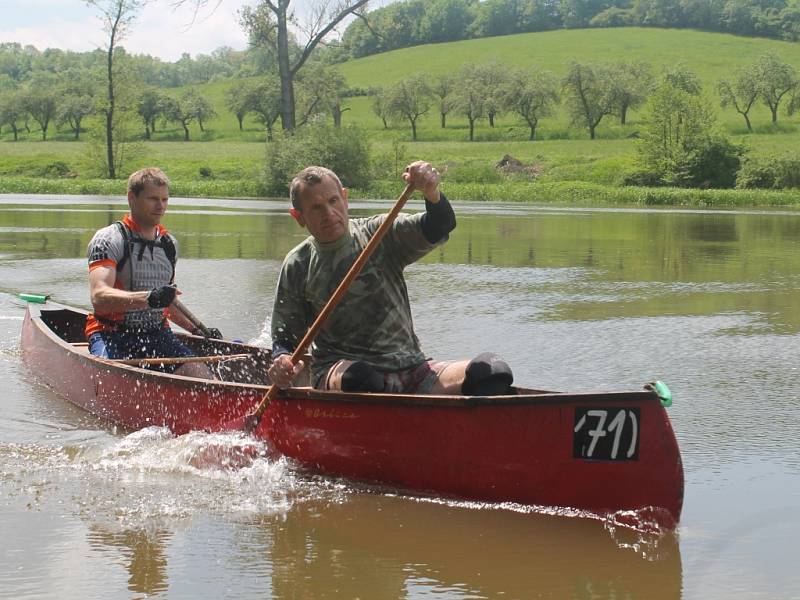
(309, 177)
(151, 175)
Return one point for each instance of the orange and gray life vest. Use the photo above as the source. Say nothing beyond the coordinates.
(140, 264)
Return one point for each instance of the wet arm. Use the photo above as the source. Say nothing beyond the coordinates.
(108, 299)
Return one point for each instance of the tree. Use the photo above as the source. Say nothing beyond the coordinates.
(589, 95)
(117, 17)
(680, 77)
(182, 110)
(491, 78)
(443, 88)
(497, 17)
(203, 109)
(446, 20)
(531, 94)
(630, 82)
(41, 100)
(264, 100)
(12, 111)
(469, 98)
(578, 13)
(149, 107)
(320, 90)
(409, 99)
(236, 100)
(269, 24)
(78, 87)
(380, 105)
(741, 92)
(72, 111)
(776, 79)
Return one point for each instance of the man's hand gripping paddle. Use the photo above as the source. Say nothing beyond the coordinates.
(251, 421)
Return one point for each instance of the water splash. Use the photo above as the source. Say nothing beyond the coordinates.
(264, 337)
(152, 476)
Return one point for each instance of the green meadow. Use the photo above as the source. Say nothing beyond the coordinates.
(223, 161)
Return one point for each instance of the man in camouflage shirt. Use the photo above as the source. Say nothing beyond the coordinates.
(368, 342)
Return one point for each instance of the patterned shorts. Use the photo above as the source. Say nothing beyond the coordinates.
(418, 379)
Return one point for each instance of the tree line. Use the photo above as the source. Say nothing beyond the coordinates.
(68, 101)
(19, 64)
(591, 92)
(414, 22)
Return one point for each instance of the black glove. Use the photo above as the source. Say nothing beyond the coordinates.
(214, 333)
(162, 297)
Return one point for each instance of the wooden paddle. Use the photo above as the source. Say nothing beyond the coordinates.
(192, 318)
(179, 360)
(252, 420)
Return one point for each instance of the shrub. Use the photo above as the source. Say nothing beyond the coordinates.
(714, 163)
(344, 150)
(771, 172)
(682, 143)
(55, 170)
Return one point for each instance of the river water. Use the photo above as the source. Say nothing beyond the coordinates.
(574, 299)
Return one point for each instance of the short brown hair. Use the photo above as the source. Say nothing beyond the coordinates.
(308, 177)
(142, 177)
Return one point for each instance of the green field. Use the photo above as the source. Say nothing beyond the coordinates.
(562, 154)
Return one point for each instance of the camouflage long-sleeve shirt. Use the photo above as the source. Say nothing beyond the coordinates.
(373, 321)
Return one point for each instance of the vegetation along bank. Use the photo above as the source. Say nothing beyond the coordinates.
(605, 116)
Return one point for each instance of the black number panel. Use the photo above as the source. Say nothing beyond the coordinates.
(606, 433)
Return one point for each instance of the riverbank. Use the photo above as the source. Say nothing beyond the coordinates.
(573, 193)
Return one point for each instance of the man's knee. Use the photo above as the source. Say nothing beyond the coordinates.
(487, 375)
(361, 377)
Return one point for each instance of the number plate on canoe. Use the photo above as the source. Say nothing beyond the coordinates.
(606, 433)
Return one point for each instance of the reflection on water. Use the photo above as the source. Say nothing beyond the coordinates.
(574, 299)
(311, 537)
(142, 552)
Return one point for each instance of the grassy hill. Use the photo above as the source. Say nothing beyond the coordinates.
(565, 153)
(710, 55)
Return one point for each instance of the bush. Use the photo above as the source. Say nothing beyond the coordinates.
(771, 172)
(714, 163)
(344, 150)
(682, 143)
(55, 170)
(643, 177)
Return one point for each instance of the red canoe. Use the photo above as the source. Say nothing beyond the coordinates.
(602, 452)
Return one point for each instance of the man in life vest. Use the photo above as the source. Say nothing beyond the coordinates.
(131, 282)
(368, 343)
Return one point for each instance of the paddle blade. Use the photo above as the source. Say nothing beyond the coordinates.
(246, 424)
(224, 457)
(236, 424)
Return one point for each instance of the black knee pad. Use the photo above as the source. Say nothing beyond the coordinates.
(361, 377)
(487, 375)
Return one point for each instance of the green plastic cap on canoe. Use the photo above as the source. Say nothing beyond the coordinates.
(35, 298)
(662, 391)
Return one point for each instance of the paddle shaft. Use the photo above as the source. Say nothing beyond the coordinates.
(179, 360)
(191, 316)
(251, 422)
